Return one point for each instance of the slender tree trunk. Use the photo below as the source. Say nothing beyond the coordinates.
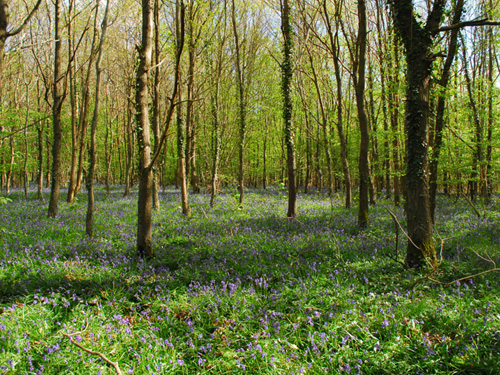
(242, 109)
(130, 144)
(190, 123)
(264, 160)
(394, 111)
(40, 161)
(477, 158)
(72, 99)
(286, 84)
(26, 152)
(156, 99)
(216, 135)
(334, 48)
(58, 98)
(11, 165)
(489, 136)
(364, 168)
(324, 125)
(437, 133)
(181, 128)
(144, 232)
(383, 60)
(181, 158)
(47, 174)
(89, 222)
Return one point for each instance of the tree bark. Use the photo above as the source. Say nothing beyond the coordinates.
(418, 41)
(144, 231)
(58, 98)
(89, 222)
(437, 133)
(286, 84)
(181, 128)
(156, 99)
(359, 78)
(242, 109)
(334, 50)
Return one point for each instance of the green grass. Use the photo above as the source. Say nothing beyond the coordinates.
(243, 291)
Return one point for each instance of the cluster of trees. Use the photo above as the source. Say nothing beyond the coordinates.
(393, 98)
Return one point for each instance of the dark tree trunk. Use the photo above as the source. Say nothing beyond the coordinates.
(242, 109)
(40, 161)
(144, 231)
(181, 128)
(418, 42)
(286, 84)
(394, 111)
(156, 99)
(364, 167)
(334, 50)
(130, 144)
(58, 98)
(437, 133)
(89, 222)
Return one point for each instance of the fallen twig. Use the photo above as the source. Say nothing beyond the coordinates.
(204, 213)
(103, 357)
(454, 281)
(471, 204)
(396, 223)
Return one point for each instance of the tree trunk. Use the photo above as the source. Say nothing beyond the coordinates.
(181, 129)
(40, 161)
(130, 143)
(418, 41)
(394, 113)
(286, 84)
(58, 98)
(364, 168)
(437, 134)
(242, 109)
(156, 99)
(477, 158)
(89, 222)
(334, 49)
(144, 231)
(216, 135)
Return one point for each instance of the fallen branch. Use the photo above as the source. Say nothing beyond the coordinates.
(454, 281)
(204, 213)
(396, 222)
(103, 357)
(471, 204)
(488, 259)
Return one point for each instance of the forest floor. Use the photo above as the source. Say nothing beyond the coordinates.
(244, 291)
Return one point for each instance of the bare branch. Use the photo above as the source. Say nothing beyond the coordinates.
(26, 20)
(461, 25)
(102, 356)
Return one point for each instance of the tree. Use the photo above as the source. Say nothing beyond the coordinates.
(58, 98)
(144, 233)
(242, 109)
(359, 82)
(89, 224)
(418, 41)
(181, 127)
(5, 33)
(286, 83)
(146, 159)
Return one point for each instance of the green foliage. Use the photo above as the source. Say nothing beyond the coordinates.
(232, 289)
(4, 200)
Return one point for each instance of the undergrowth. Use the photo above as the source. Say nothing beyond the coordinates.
(243, 291)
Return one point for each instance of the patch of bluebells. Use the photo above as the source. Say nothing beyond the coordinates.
(238, 289)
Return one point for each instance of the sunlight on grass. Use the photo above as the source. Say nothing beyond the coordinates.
(234, 291)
